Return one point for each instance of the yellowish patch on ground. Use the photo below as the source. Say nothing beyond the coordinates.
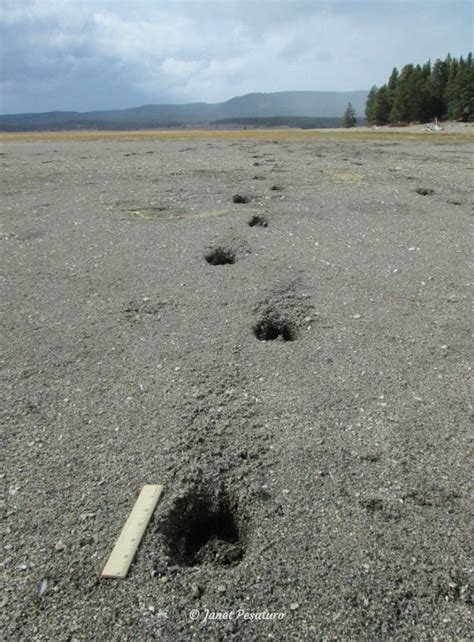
(151, 216)
(342, 177)
(260, 134)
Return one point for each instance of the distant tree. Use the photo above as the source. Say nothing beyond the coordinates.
(451, 89)
(369, 106)
(437, 88)
(349, 117)
(381, 106)
(464, 90)
(392, 88)
(400, 109)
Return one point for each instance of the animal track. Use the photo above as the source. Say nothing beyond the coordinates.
(237, 198)
(136, 310)
(205, 529)
(257, 220)
(424, 191)
(220, 256)
(281, 314)
(272, 327)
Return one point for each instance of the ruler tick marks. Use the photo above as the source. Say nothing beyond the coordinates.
(126, 546)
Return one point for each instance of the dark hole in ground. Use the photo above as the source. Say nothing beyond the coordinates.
(425, 191)
(276, 188)
(269, 329)
(260, 221)
(220, 256)
(202, 530)
(237, 198)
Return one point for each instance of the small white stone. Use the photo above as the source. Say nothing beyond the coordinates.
(294, 606)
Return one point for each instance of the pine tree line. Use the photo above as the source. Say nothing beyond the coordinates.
(444, 89)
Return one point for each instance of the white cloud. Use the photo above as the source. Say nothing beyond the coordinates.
(143, 51)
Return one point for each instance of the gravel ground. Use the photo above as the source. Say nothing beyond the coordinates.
(300, 385)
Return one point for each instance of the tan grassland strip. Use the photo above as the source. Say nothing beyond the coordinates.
(260, 134)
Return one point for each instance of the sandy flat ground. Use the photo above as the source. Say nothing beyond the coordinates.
(305, 404)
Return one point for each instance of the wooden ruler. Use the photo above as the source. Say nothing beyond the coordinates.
(126, 546)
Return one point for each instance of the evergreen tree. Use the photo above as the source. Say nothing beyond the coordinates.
(369, 106)
(392, 88)
(451, 87)
(349, 117)
(464, 90)
(381, 111)
(400, 111)
(418, 98)
(437, 88)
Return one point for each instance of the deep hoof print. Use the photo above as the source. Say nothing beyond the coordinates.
(204, 530)
(220, 256)
(276, 188)
(283, 315)
(424, 191)
(237, 198)
(259, 221)
(271, 328)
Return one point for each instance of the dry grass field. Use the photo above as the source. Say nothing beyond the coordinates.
(363, 134)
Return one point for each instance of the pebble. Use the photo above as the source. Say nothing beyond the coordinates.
(42, 588)
(294, 606)
(59, 546)
(221, 588)
(84, 516)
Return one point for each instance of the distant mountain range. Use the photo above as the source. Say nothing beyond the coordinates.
(315, 104)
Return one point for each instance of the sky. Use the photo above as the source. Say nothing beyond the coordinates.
(85, 55)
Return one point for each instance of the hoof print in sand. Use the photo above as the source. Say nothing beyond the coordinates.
(227, 252)
(257, 220)
(272, 327)
(376, 506)
(424, 191)
(204, 530)
(220, 256)
(282, 315)
(237, 198)
(143, 309)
